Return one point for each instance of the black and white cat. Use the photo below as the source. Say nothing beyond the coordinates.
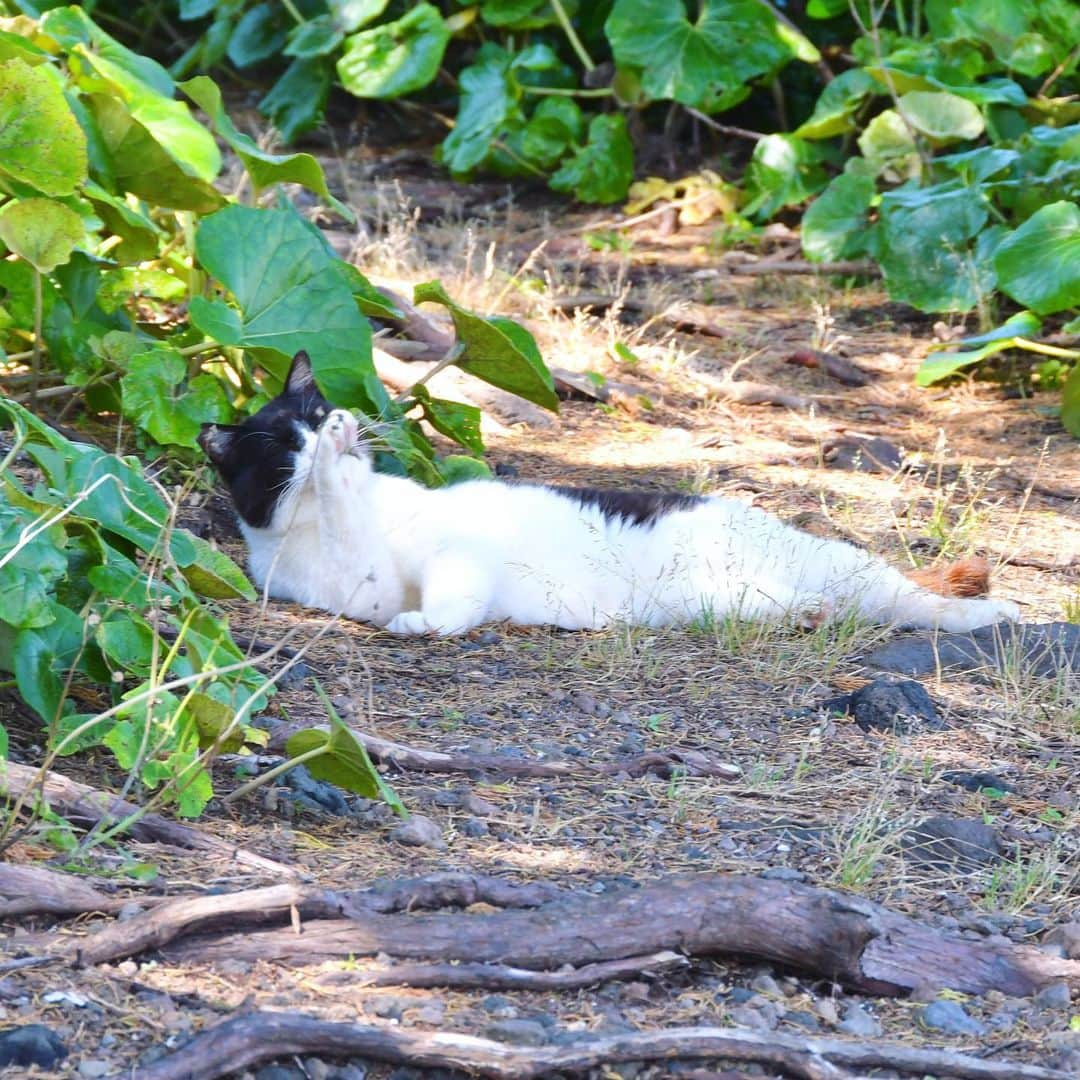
(326, 530)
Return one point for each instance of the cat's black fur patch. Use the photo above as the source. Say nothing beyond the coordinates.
(255, 458)
(633, 507)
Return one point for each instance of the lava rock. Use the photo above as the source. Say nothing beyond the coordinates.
(951, 1018)
(1044, 649)
(419, 831)
(518, 1032)
(889, 705)
(873, 455)
(953, 843)
(317, 795)
(978, 781)
(473, 828)
(1054, 996)
(31, 1044)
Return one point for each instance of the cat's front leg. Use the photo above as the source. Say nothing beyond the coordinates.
(455, 596)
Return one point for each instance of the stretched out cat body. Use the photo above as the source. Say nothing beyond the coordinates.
(327, 531)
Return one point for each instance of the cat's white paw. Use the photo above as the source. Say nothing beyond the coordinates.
(964, 615)
(409, 622)
(340, 429)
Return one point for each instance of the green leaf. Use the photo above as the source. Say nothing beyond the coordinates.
(145, 88)
(215, 575)
(457, 468)
(942, 118)
(297, 101)
(497, 350)
(925, 247)
(316, 37)
(784, 171)
(705, 63)
(1070, 410)
(281, 271)
(140, 165)
(16, 47)
(41, 657)
(350, 15)
(159, 399)
(264, 169)
(887, 143)
(41, 231)
(555, 125)
(452, 419)
(487, 103)
(601, 171)
(368, 299)
(834, 113)
(523, 14)
(395, 58)
(259, 34)
(41, 142)
(1038, 264)
(28, 574)
(969, 351)
(835, 224)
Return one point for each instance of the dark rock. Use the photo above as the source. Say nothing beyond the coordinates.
(858, 1022)
(295, 676)
(951, 1018)
(505, 470)
(498, 1005)
(473, 828)
(518, 1032)
(803, 1019)
(875, 455)
(1044, 649)
(446, 798)
(978, 781)
(318, 795)
(1054, 996)
(740, 995)
(32, 1044)
(419, 831)
(952, 843)
(782, 873)
(280, 1072)
(353, 1071)
(888, 705)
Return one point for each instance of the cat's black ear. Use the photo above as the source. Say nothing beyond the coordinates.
(215, 439)
(300, 378)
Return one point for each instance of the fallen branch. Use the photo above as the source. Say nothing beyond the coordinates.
(836, 367)
(748, 392)
(84, 805)
(418, 327)
(504, 977)
(662, 764)
(243, 1041)
(845, 938)
(854, 268)
(187, 914)
(36, 890)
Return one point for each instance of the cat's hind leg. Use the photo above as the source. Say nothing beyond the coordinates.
(455, 596)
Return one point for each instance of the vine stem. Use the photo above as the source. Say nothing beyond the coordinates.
(1047, 350)
(291, 8)
(571, 35)
(559, 91)
(277, 770)
(452, 356)
(35, 352)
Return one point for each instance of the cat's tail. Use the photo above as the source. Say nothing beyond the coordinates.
(964, 577)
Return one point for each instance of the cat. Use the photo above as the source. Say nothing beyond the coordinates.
(326, 530)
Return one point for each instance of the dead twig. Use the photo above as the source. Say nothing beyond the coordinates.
(242, 1041)
(836, 367)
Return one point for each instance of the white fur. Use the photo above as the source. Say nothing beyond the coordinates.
(385, 550)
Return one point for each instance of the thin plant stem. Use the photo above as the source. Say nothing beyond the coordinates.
(35, 352)
(571, 35)
(276, 771)
(291, 8)
(452, 356)
(562, 91)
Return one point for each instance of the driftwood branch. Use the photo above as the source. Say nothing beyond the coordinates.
(243, 1041)
(850, 940)
(663, 764)
(84, 805)
(853, 268)
(504, 977)
(36, 890)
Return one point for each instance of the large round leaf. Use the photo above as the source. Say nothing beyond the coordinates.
(941, 117)
(1038, 265)
(43, 232)
(293, 296)
(601, 170)
(41, 142)
(835, 224)
(487, 102)
(705, 63)
(397, 57)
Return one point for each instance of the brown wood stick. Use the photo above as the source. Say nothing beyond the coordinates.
(242, 1041)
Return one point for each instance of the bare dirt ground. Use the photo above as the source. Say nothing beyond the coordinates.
(815, 799)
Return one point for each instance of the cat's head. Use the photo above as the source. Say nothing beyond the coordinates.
(260, 458)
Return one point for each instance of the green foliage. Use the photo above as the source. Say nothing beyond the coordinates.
(135, 288)
(97, 590)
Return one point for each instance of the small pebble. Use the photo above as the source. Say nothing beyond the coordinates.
(1054, 996)
(419, 831)
(952, 1018)
(858, 1022)
(94, 1067)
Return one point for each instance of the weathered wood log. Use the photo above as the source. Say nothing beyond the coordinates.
(37, 890)
(84, 805)
(243, 1041)
(503, 977)
(858, 943)
(277, 903)
(836, 367)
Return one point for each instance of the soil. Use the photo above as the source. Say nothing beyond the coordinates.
(817, 798)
